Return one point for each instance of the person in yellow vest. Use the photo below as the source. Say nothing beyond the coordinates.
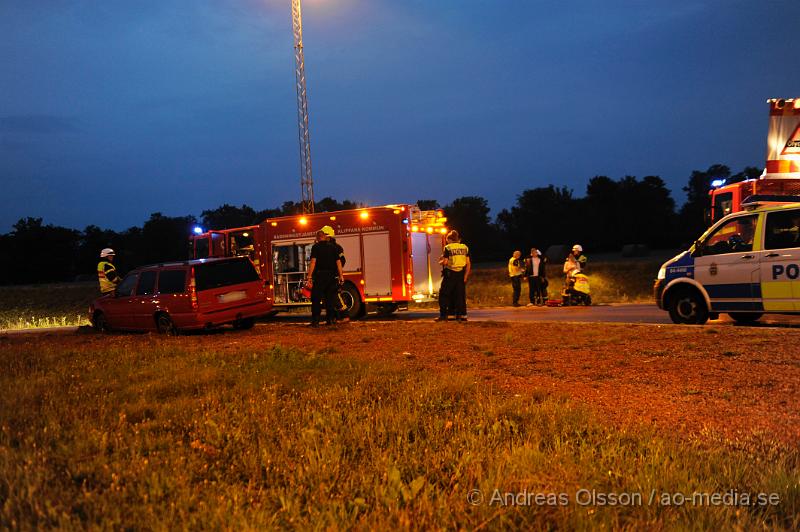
(456, 268)
(106, 272)
(516, 270)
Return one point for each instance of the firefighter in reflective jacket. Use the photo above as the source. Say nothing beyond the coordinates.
(106, 272)
(457, 265)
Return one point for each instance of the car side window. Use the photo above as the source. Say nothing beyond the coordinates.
(734, 236)
(125, 288)
(783, 230)
(171, 281)
(147, 284)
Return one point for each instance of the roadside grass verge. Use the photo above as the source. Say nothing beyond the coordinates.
(46, 305)
(137, 432)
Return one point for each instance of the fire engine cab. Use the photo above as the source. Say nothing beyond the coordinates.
(781, 175)
(391, 254)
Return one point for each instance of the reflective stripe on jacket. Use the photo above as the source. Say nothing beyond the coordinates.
(107, 275)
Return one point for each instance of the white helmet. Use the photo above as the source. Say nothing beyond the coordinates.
(577, 247)
(106, 252)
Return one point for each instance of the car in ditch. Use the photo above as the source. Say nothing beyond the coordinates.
(180, 296)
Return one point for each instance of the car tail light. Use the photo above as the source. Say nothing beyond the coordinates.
(193, 291)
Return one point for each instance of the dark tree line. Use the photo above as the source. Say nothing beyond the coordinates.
(610, 214)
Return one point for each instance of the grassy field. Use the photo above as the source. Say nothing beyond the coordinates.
(611, 282)
(37, 306)
(240, 431)
(46, 305)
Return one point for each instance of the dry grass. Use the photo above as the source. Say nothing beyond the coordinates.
(234, 431)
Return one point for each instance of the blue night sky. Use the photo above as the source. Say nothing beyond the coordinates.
(112, 110)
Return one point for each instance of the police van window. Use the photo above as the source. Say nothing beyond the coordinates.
(734, 236)
(125, 288)
(783, 230)
(171, 281)
(147, 284)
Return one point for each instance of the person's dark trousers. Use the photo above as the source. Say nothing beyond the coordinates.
(446, 301)
(516, 284)
(452, 294)
(542, 289)
(459, 302)
(533, 290)
(325, 286)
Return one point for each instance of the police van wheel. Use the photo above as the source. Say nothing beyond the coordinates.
(351, 301)
(746, 317)
(687, 307)
(164, 324)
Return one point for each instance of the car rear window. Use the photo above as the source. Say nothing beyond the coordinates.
(147, 284)
(224, 273)
(171, 281)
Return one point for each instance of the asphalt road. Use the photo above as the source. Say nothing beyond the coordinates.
(621, 313)
(617, 313)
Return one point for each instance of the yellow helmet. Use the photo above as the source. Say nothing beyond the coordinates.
(328, 230)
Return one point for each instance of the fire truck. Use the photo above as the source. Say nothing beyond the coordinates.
(781, 176)
(391, 253)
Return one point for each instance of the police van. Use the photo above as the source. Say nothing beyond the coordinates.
(747, 264)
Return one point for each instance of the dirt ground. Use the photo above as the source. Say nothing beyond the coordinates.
(728, 383)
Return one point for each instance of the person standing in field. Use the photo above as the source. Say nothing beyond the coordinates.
(324, 276)
(455, 273)
(106, 272)
(535, 272)
(516, 269)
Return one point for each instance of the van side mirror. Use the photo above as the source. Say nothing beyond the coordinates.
(698, 249)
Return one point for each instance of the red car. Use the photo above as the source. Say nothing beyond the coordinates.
(176, 296)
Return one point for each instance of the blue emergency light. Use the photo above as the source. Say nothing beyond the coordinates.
(197, 230)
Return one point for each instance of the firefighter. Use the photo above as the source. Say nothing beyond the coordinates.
(516, 269)
(341, 311)
(324, 276)
(575, 261)
(574, 264)
(456, 268)
(106, 272)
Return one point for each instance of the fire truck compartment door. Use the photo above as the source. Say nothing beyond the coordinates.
(377, 264)
(436, 248)
(352, 253)
(426, 250)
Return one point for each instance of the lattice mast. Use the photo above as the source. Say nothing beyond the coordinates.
(306, 181)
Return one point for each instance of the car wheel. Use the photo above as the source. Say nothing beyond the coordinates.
(244, 324)
(686, 306)
(100, 323)
(746, 317)
(164, 324)
(350, 299)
